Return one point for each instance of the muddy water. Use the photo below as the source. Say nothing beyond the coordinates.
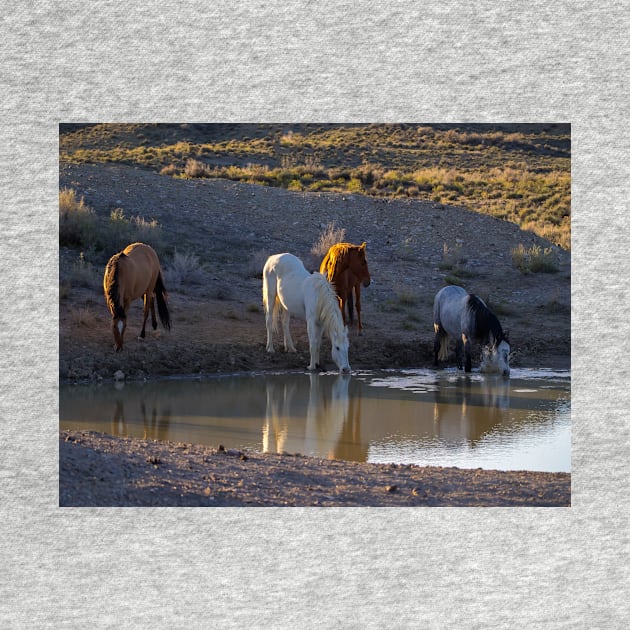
(423, 417)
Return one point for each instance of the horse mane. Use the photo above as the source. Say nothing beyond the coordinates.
(335, 256)
(327, 306)
(112, 286)
(486, 322)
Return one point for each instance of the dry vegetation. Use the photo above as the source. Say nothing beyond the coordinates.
(213, 236)
(520, 173)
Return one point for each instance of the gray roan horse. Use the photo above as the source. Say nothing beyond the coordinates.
(464, 316)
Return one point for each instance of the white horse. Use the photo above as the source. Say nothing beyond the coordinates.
(289, 289)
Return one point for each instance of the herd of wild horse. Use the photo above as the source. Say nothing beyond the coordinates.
(325, 300)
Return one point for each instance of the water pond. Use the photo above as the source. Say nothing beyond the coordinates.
(425, 417)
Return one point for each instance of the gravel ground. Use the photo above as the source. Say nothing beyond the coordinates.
(101, 470)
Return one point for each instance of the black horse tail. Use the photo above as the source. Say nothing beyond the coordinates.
(161, 297)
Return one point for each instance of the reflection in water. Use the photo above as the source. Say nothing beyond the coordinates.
(472, 409)
(329, 427)
(422, 416)
(155, 412)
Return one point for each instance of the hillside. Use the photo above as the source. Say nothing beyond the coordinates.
(213, 236)
(517, 172)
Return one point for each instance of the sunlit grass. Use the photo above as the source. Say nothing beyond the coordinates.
(534, 259)
(520, 174)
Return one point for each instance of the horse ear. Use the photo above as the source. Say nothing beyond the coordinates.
(363, 245)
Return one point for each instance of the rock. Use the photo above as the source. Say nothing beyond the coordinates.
(119, 375)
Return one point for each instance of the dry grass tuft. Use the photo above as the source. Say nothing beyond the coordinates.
(534, 259)
(329, 237)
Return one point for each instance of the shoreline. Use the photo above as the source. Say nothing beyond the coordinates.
(551, 362)
(99, 470)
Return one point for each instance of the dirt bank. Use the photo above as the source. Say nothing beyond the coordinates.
(414, 248)
(100, 470)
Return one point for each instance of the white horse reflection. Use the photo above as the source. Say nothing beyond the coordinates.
(326, 415)
(277, 415)
(468, 412)
(307, 417)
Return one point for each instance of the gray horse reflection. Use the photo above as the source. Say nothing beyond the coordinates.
(471, 410)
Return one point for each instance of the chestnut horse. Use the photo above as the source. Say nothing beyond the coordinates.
(346, 268)
(135, 272)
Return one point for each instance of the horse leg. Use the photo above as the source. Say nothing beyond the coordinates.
(437, 345)
(286, 329)
(344, 304)
(357, 293)
(459, 347)
(350, 304)
(145, 314)
(467, 353)
(315, 332)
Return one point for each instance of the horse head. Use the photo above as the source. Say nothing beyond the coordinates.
(495, 356)
(358, 264)
(339, 349)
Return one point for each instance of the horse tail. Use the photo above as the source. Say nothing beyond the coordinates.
(274, 308)
(441, 339)
(161, 296)
(111, 287)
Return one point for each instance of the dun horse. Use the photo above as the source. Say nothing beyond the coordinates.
(289, 289)
(135, 272)
(467, 318)
(346, 267)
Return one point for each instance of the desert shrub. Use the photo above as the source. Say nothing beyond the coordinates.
(118, 231)
(184, 269)
(452, 257)
(170, 169)
(258, 260)
(77, 221)
(146, 231)
(329, 237)
(534, 259)
(82, 273)
(406, 298)
(195, 168)
(82, 316)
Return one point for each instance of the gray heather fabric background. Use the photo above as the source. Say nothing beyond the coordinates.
(319, 62)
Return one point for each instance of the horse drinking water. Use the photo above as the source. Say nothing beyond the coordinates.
(346, 268)
(467, 318)
(289, 289)
(135, 272)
